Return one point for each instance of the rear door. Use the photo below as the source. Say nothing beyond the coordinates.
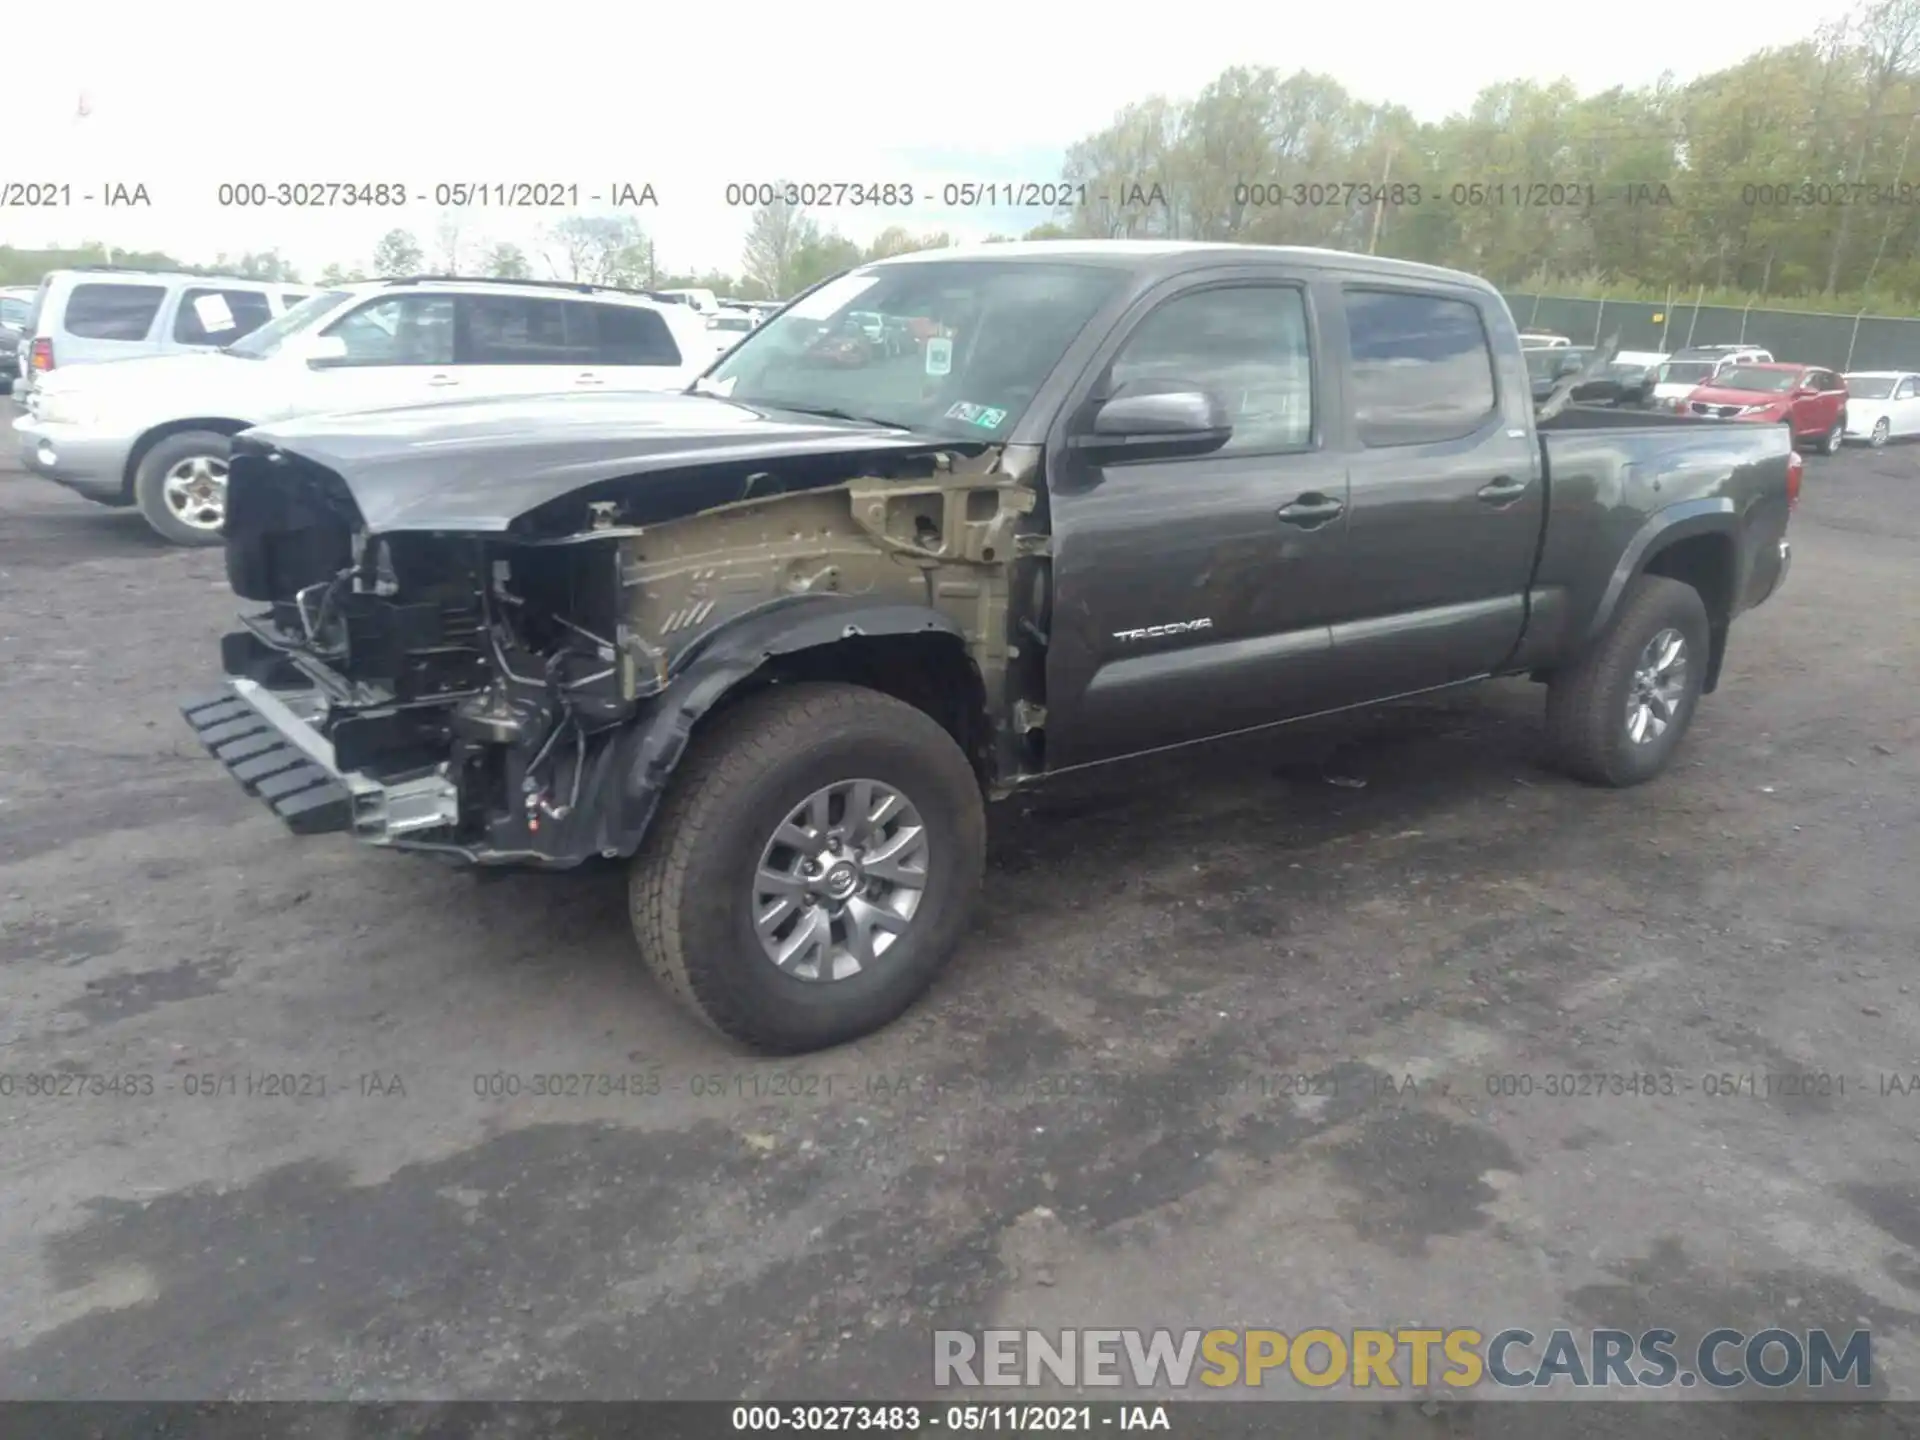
(206, 317)
(1190, 595)
(512, 344)
(1447, 499)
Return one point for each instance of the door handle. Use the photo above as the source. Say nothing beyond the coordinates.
(1500, 491)
(443, 380)
(1311, 509)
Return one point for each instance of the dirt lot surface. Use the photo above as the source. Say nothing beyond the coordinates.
(1094, 1120)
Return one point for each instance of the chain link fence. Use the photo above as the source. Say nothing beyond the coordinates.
(1845, 342)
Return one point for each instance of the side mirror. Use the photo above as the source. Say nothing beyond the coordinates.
(1156, 419)
(326, 351)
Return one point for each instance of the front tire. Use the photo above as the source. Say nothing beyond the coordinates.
(1617, 715)
(871, 793)
(181, 487)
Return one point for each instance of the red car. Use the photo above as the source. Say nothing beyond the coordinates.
(1809, 398)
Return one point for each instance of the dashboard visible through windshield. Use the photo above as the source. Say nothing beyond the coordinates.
(956, 348)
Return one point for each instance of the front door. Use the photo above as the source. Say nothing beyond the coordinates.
(1190, 595)
(1904, 413)
(399, 352)
(1447, 498)
(1815, 414)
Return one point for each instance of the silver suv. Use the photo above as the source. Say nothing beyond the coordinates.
(100, 312)
(154, 433)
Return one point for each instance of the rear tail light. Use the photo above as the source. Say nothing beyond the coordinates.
(42, 355)
(1796, 466)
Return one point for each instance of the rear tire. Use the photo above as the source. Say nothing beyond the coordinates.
(181, 487)
(1830, 443)
(1882, 429)
(695, 887)
(1593, 706)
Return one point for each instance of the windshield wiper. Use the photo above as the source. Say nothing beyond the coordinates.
(829, 413)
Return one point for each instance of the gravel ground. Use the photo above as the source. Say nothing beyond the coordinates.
(1091, 1122)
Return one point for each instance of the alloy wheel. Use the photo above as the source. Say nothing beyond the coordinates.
(839, 882)
(1659, 686)
(195, 490)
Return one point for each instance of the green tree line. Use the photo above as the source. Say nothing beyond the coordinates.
(1793, 175)
(1790, 180)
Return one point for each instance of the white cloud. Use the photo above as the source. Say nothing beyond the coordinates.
(186, 97)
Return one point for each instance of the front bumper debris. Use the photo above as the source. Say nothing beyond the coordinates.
(268, 741)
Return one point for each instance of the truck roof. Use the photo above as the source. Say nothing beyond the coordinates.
(1176, 255)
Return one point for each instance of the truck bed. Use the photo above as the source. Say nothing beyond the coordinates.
(1618, 479)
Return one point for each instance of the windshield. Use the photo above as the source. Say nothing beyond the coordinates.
(1686, 372)
(1752, 377)
(267, 339)
(731, 322)
(973, 342)
(1870, 387)
(1627, 370)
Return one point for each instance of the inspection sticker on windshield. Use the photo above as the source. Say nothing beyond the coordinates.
(939, 356)
(985, 416)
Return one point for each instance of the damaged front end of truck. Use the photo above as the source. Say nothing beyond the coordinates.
(499, 658)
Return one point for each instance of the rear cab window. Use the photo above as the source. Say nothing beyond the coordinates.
(217, 315)
(1423, 370)
(107, 310)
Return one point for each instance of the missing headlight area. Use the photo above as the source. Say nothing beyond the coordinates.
(546, 673)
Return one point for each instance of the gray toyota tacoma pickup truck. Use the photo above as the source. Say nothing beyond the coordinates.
(776, 640)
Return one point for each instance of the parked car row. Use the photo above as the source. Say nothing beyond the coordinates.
(1821, 407)
(153, 431)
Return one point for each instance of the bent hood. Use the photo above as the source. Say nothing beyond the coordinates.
(479, 465)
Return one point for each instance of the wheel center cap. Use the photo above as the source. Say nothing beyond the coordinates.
(841, 881)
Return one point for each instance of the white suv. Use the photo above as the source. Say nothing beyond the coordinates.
(154, 433)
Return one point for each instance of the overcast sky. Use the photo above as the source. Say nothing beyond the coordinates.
(184, 97)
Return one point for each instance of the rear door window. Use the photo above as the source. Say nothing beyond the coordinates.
(209, 315)
(525, 330)
(100, 310)
(1422, 367)
(632, 335)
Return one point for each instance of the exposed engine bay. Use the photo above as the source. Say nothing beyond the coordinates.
(521, 696)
